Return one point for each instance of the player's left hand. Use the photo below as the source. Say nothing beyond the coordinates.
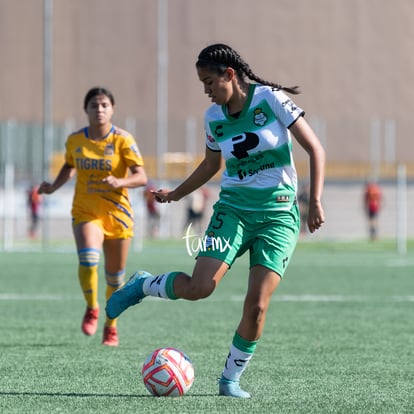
(162, 196)
(316, 216)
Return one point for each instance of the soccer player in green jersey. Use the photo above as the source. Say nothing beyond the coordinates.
(249, 125)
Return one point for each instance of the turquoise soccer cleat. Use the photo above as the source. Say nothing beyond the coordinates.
(128, 295)
(231, 389)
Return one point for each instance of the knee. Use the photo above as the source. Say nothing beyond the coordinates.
(198, 291)
(89, 257)
(256, 313)
(115, 280)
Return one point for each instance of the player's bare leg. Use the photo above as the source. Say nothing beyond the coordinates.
(172, 285)
(262, 284)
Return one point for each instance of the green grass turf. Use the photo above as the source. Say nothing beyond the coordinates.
(339, 336)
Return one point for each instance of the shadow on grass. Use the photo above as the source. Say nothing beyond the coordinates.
(87, 395)
(34, 346)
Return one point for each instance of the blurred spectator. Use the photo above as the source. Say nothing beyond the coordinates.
(153, 214)
(34, 200)
(303, 200)
(372, 204)
(197, 202)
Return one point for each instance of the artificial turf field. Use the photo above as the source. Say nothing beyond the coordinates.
(339, 336)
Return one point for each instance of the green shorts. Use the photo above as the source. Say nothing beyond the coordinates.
(270, 236)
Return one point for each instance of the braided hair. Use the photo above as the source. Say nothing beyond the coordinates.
(219, 57)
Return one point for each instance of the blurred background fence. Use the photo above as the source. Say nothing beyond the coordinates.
(21, 159)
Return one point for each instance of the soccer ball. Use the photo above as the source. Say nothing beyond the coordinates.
(168, 372)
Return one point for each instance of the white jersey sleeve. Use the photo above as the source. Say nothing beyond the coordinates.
(211, 143)
(285, 109)
(256, 146)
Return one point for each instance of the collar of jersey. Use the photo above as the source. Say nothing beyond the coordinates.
(111, 130)
(246, 105)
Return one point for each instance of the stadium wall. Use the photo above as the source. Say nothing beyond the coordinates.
(352, 59)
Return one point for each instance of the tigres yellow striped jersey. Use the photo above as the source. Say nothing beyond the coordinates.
(95, 160)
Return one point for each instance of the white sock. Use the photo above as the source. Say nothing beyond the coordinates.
(155, 286)
(236, 363)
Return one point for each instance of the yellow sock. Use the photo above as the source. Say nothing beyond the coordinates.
(113, 282)
(109, 291)
(88, 275)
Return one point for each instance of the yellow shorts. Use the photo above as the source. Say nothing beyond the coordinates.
(113, 227)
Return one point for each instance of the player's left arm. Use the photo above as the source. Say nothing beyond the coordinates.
(308, 140)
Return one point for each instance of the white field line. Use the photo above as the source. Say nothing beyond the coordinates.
(36, 297)
(334, 298)
(232, 298)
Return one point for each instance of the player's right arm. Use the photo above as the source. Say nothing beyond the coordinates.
(208, 167)
(65, 174)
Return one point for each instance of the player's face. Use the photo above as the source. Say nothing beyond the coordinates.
(218, 87)
(99, 110)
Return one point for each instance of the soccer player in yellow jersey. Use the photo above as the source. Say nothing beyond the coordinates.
(106, 161)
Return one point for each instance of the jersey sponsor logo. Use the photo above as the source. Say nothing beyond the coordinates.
(260, 118)
(241, 145)
(134, 149)
(244, 142)
(258, 162)
(282, 198)
(96, 185)
(290, 105)
(210, 138)
(242, 173)
(119, 131)
(217, 131)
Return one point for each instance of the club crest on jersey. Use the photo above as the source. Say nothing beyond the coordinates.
(109, 149)
(260, 118)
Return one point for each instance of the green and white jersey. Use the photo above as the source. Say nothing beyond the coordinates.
(260, 172)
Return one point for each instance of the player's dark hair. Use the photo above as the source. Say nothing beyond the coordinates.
(98, 90)
(219, 57)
